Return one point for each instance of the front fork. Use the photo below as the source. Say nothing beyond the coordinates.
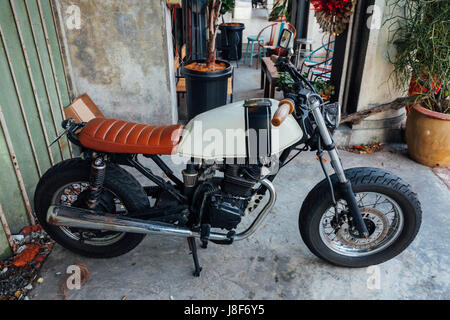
(344, 185)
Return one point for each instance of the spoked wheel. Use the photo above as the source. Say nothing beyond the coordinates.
(66, 184)
(74, 194)
(382, 216)
(390, 211)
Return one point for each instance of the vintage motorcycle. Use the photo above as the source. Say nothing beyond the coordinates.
(92, 206)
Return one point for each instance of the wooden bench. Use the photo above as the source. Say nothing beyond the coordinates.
(181, 81)
(269, 77)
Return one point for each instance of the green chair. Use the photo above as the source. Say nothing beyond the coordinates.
(251, 42)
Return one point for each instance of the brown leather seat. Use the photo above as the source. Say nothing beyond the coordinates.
(118, 136)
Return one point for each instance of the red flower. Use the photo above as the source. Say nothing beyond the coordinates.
(331, 6)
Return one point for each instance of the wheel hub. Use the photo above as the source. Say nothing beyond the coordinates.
(377, 224)
(76, 195)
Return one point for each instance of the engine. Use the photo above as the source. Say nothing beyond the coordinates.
(222, 202)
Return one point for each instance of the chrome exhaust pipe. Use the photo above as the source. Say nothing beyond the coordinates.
(88, 219)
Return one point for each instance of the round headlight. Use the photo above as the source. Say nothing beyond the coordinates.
(332, 115)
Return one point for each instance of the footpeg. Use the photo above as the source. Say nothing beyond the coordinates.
(230, 239)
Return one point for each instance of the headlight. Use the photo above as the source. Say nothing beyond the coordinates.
(332, 115)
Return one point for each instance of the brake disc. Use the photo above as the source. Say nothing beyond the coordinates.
(76, 195)
(378, 225)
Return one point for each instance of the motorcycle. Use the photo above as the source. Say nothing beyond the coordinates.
(92, 206)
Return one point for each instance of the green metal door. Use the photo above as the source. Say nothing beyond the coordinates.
(33, 94)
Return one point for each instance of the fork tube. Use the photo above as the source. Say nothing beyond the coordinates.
(345, 185)
(326, 137)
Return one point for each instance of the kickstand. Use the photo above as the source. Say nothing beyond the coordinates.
(193, 248)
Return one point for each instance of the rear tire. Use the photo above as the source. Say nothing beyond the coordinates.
(364, 181)
(118, 181)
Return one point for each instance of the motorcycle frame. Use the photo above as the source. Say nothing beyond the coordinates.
(306, 102)
(316, 136)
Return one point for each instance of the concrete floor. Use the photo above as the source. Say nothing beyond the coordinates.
(274, 263)
(254, 19)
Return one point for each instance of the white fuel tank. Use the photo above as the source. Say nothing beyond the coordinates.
(220, 133)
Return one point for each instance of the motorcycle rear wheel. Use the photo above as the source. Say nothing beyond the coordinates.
(390, 210)
(121, 190)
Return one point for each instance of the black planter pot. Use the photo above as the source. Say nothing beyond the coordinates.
(231, 40)
(205, 90)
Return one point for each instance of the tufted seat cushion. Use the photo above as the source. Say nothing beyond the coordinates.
(118, 136)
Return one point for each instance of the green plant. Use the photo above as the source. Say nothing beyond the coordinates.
(281, 8)
(286, 83)
(227, 6)
(420, 32)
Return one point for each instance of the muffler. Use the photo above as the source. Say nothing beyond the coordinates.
(88, 219)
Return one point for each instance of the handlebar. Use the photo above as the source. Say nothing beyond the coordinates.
(285, 108)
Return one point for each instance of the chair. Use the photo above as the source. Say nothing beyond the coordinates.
(251, 44)
(275, 33)
(306, 43)
(319, 69)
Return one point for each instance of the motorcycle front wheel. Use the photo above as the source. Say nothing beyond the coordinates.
(391, 212)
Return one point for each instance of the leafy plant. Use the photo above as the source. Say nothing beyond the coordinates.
(227, 6)
(281, 8)
(324, 88)
(286, 83)
(420, 32)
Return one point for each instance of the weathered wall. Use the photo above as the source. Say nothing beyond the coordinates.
(118, 52)
(376, 87)
(315, 33)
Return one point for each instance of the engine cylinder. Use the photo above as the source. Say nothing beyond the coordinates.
(239, 179)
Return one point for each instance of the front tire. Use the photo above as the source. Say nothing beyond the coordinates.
(121, 189)
(391, 211)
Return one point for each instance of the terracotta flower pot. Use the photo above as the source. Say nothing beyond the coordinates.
(428, 136)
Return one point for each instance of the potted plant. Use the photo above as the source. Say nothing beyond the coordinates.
(207, 79)
(230, 34)
(420, 35)
(333, 15)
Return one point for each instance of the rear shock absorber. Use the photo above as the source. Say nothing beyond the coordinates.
(97, 177)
